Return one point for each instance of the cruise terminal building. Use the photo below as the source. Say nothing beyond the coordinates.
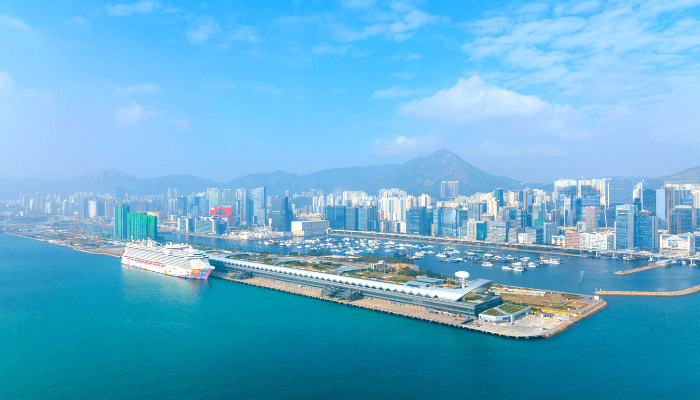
(468, 301)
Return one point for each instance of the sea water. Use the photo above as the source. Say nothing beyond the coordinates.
(82, 326)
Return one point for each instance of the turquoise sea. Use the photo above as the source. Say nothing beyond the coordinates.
(81, 326)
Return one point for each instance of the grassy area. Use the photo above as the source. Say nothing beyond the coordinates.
(511, 308)
(569, 296)
(376, 259)
(492, 312)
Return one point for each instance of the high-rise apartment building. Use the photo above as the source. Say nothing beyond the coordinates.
(141, 226)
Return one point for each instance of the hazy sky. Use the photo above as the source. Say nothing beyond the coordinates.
(533, 91)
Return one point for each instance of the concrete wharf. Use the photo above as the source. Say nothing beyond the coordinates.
(528, 328)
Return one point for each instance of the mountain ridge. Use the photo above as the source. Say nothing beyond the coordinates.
(416, 176)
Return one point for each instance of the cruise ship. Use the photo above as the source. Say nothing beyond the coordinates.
(172, 259)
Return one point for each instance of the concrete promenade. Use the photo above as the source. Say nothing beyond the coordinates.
(683, 292)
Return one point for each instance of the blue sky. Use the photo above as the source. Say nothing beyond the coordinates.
(533, 91)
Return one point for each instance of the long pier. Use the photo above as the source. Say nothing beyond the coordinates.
(683, 292)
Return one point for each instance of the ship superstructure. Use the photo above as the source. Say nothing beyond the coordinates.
(172, 259)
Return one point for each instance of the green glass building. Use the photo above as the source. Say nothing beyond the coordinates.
(120, 222)
(141, 226)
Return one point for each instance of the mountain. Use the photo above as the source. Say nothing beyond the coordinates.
(419, 175)
(105, 181)
(690, 175)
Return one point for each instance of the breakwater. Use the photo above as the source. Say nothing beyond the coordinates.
(640, 269)
(683, 292)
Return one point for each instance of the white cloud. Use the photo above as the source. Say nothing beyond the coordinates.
(13, 23)
(135, 89)
(267, 88)
(133, 114)
(78, 22)
(406, 75)
(402, 30)
(405, 145)
(245, 34)
(222, 84)
(474, 100)
(395, 20)
(489, 26)
(533, 8)
(396, 91)
(182, 123)
(327, 49)
(143, 7)
(5, 82)
(598, 55)
(205, 27)
(357, 3)
(406, 56)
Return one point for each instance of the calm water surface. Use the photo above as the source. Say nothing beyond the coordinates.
(81, 326)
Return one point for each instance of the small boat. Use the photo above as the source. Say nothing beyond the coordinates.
(518, 269)
(531, 265)
(487, 264)
(507, 268)
(441, 255)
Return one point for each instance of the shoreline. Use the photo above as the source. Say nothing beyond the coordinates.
(99, 251)
(440, 318)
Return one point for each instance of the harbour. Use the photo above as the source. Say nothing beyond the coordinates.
(253, 326)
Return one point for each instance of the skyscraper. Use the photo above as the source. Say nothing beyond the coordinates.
(120, 222)
(214, 196)
(624, 229)
(646, 231)
(618, 191)
(449, 189)
(259, 198)
(498, 195)
(141, 226)
(683, 220)
(590, 219)
(280, 214)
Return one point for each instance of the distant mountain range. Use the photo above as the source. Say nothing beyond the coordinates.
(419, 175)
(690, 175)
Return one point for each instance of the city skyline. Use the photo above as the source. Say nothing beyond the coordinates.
(532, 91)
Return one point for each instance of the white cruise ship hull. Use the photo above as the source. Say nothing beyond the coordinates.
(164, 269)
(175, 260)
